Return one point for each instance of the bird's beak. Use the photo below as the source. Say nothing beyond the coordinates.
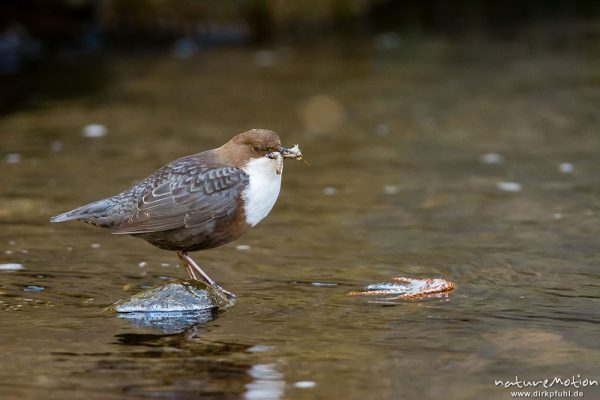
(284, 152)
(292, 152)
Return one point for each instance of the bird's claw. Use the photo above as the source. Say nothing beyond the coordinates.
(226, 292)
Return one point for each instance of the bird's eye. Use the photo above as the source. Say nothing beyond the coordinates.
(256, 147)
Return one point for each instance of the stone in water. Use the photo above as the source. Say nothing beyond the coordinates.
(10, 267)
(173, 306)
(566, 168)
(13, 158)
(174, 296)
(94, 131)
(509, 186)
(491, 158)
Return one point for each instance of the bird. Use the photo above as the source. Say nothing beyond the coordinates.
(198, 202)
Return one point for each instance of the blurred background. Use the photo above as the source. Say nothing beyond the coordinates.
(42, 41)
(455, 139)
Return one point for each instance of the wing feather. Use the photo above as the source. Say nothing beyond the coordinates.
(190, 199)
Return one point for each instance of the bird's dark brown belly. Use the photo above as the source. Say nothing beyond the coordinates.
(208, 236)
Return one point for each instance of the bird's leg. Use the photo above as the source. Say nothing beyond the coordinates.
(193, 270)
(196, 273)
(192, 273)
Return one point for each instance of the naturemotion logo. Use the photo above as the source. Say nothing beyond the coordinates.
(555, 387)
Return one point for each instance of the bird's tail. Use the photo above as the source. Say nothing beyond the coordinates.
(86, 213)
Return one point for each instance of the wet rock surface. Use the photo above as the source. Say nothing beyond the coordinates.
(174, 297)
(173, 306)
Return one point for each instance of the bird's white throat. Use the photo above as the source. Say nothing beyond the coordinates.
(263, 189)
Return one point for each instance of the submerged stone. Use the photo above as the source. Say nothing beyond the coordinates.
(11, 267)
(174, 297)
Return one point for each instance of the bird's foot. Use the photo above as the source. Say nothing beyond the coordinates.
(196, 273)
(226, 292)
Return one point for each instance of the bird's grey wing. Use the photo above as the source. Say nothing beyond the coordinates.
(186, 200)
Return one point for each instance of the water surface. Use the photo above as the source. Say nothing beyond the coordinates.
(396, 188)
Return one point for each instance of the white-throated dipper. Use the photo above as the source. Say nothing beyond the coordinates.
(200, 201)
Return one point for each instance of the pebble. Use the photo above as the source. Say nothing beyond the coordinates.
(509, 186)
(13, 158)
(265, 58)
(491, 158)
(390, 189)
(94, 131)
(165, 264)
(387, 41)
(34, 288)
(95, 245)
(185, 48)
(142, 264)
(566, 168)
(382, 130)
(329, 191)
(242, 247)
(11, 267)
(56, 146)
(305, 384)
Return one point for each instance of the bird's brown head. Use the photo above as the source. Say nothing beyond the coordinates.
(253, 144)
(258, 142)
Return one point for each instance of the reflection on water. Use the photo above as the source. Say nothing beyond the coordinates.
(408, 179)
(267, 383)
(168, 322)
